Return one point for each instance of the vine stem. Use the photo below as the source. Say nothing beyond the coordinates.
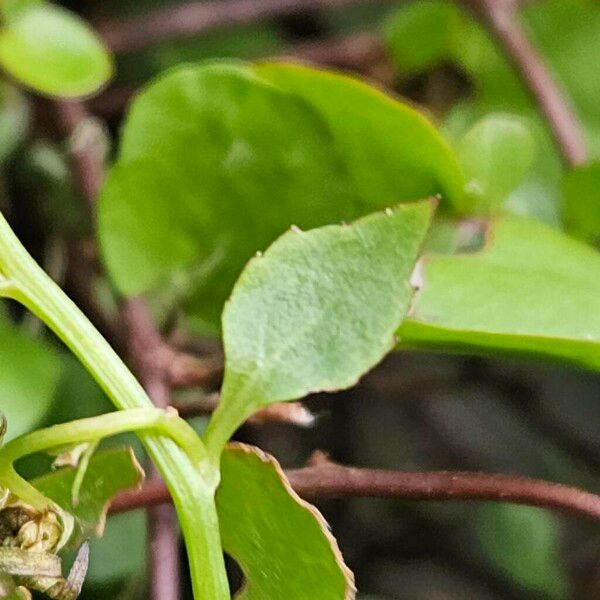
(323, 478)
(193, 493)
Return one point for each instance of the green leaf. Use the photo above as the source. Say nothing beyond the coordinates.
(495, 154)
(393, 152)
(53, 51)
(523, 542)
(214, 163)
(530, 289)
(108, 473)
(217, 160)
(316, 311)
(581, 209)
(418, 34)
(29, 374)
(281, 543)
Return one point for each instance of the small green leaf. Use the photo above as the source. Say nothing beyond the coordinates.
(317, 311)
(281, 543)
(523, 543)
(29, 374)
(581, 210)
(530, 289)
(53, 51)
(418, 34)
(108, 473)
(495, 154)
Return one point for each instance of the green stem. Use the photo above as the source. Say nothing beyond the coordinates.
(136, 419)
(193, 494)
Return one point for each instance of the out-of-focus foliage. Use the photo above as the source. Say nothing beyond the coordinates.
(14, 119)
(496, 153)
(24, 399)
(581, 210)
(567, 33)
(51, 49)
(416, 411)
(420, 34)
(524, 543)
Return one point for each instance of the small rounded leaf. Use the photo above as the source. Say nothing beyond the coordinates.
(495, 154)
(53, 51)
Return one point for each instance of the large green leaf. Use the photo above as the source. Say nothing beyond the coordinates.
(281, 543)
(109, 472)
(530, 289)
(214, 163)
(52, 50)
(29, 374)
(524, 543)
(217, 160)
(316, 311)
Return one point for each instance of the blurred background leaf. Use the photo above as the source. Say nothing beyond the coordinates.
(29, 374)
(52, 50)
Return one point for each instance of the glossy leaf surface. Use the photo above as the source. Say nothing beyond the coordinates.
(530, 289)
(392, 151)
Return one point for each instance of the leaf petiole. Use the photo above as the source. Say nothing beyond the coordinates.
(165, 422)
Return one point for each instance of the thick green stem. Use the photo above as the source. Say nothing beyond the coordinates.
(193, 492)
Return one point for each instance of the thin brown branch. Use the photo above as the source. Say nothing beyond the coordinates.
(359, 52)
(323, 479)
(194, 18)
(87, 147)
(501, 18)
(186, 370)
